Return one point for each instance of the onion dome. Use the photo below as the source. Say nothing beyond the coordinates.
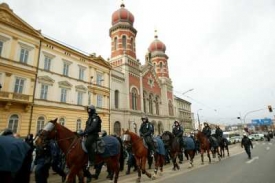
(157, 45)
(122, 15)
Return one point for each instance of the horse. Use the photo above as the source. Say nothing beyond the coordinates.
(141, 153)
(223, 143)
(189, 149)
(173, 145)
(76, 157)
(205, 146)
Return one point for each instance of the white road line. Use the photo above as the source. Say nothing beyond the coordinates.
(254, 158)
(267, 148)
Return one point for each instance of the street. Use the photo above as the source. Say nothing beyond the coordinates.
(236, 168)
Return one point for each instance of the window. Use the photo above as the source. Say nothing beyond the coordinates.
(44, 92)
(115, 43)
(63, 95)
(124, 42)
(117, 128)
(81, 73)
(1, 47)
(79, 98)
(40, 123)
(19, 85)
(116, 98)
(62, 121)
(24, 54)
(170, 107)
(99, 101)
(132, 44)
(66, 68)
(151, 103)
(160, 64)
(134, 99)
(89, 98)
(13, 123)
(78, 124)
(99, 78)
(47, 63)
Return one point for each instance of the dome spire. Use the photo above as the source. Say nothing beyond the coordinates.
(156, 33)
(122, 5)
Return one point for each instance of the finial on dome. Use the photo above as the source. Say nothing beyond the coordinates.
(156, 33)
(122, 4)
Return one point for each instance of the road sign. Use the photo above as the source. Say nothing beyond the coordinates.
(265, 121)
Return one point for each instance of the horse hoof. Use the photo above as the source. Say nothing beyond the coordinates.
(160, 173)
(202, 163)
(154, 177)
(138, 180)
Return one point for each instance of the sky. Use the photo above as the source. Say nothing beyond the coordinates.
(223, 50)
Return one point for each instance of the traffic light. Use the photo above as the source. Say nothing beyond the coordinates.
(238, 117)
(270, 108)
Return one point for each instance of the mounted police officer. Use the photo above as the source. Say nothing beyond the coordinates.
(178, 132)
(246, 143)
(219, 133)
(146, 131)
(93, 126)
(207, 132)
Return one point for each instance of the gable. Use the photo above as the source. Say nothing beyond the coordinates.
(65, 84)
(148, 73)
(9, 18)
(45, 80)
(80, 88)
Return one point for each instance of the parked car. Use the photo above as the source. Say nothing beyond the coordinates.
(256, 137)
(236, 139)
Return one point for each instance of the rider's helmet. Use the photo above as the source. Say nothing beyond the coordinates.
(91, 109)
(176, 123)
(103, 133)
(245, 135)
(144, 118)
(205, 124)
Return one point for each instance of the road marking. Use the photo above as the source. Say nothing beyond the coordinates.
(254, 158)
(267, 148)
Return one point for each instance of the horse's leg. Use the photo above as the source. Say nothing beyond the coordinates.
(227, 151)
(202, 158)
(80, 176)
(143, 164)
(74, 170)
(138, 163)
(156, 166)
(208, 154)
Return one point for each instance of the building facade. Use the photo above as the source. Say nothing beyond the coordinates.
(183, 114)
(138, 89)
(43, 79)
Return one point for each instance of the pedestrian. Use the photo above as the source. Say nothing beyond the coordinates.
(42, 162)
(131, 162)
(246, 143)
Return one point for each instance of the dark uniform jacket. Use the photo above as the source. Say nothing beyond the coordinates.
(178, 131)
(93, 125)
(246, 142)
(206, 131)
(219, 132)
(146, 129)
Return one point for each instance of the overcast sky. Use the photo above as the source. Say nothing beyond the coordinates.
(224, 49)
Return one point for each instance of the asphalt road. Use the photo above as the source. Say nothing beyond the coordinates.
(234, 169)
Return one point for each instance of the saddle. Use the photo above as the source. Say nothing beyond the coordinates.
(99, 146)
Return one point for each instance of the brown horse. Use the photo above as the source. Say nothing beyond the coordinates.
(205, 146)
(173, 146)
(141, 154)
(71, 145)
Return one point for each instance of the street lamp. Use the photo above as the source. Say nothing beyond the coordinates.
(188, 91)
(199, 118)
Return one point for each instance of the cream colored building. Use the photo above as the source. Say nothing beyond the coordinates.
(183, 113)
(43, 79)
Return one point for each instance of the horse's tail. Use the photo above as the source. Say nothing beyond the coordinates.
(121, 157)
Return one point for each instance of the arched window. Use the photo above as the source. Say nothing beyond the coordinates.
(157, 106)
(117, 128)
(115, 43)
(13, 123)
(40, 123)
(134, 99)
(62, 121)
(170, 106)
(124, 43)
(160, 65)
(116, 98)
(151, 103)
(78, 124)
(144, 102)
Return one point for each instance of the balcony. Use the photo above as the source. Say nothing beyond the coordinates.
(10, 98)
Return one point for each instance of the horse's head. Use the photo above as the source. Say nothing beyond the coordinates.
(167, 138)
(128, 137)
(48, 132)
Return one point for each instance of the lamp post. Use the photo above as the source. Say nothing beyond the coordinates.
(199, 118)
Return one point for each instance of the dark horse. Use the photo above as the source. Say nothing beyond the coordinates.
(141, 154)
(206, 147)
(76, 158)
(173, 145)
(223, 143)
